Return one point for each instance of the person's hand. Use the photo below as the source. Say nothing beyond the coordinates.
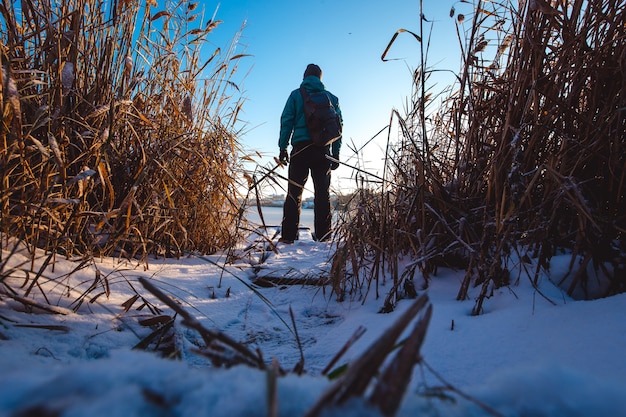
(334, 165)
(284, 156)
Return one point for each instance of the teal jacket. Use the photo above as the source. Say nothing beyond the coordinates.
(292, 121)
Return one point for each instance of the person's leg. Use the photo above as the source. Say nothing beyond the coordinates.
(320, 173)
(298, 174)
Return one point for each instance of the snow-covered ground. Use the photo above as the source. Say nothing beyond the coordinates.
(525, 356)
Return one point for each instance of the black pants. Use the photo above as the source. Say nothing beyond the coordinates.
(304, 158)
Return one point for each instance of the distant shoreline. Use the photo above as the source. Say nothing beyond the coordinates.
(304, 206)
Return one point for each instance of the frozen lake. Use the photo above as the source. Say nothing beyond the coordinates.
(274, 215)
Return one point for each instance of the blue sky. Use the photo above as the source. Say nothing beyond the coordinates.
(346, 39)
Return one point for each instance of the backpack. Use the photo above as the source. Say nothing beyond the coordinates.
(322, 119)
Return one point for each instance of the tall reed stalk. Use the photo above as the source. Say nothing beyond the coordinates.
(524, 159)
(119, 131)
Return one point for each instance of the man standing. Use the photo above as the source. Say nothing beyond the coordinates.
(305, 157)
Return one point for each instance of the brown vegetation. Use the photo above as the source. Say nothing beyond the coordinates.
(525, 158)
(110, 145)
(118, 134)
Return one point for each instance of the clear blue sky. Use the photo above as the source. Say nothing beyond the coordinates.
(346, 39)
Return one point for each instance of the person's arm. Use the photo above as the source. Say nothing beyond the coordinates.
(287, 123)
(336, 145)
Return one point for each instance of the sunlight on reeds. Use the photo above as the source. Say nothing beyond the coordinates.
(119, 138)
(119, 132)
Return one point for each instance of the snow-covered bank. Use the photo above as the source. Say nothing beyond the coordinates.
(526, 356)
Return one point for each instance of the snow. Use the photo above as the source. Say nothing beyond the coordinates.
(529, 354)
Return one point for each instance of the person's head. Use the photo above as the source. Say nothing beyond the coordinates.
(313, 69)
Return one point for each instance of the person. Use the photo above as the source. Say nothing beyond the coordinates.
(306, 158)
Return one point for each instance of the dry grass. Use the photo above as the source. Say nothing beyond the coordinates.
(113, 142)
(523, 159)
(119, 129)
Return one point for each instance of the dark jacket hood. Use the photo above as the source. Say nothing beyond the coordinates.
(313, 83)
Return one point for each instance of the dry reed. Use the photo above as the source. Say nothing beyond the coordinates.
(523, 160)
(119, 133)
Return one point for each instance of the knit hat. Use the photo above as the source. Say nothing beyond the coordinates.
(313, 69)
